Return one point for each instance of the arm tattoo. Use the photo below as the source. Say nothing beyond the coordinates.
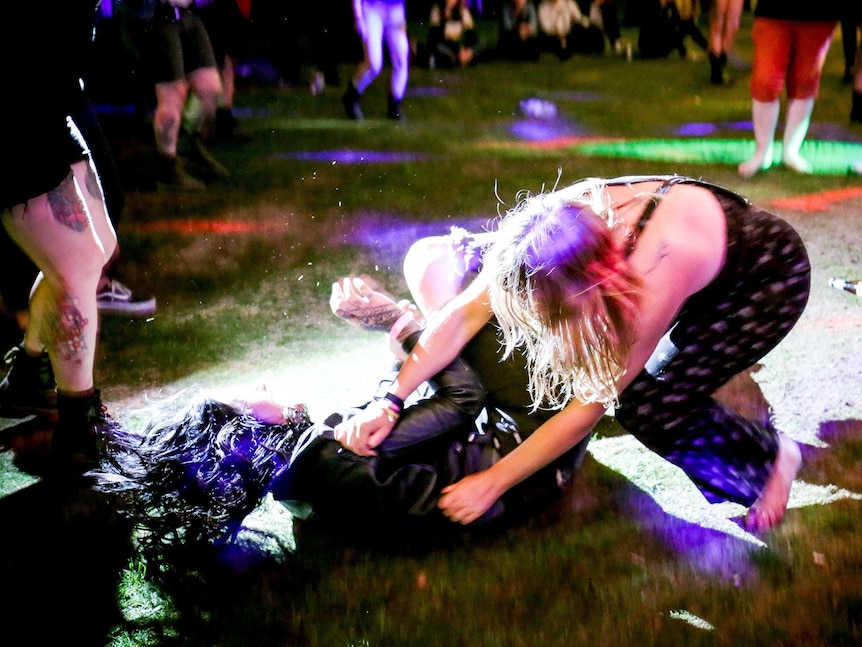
(66, 207)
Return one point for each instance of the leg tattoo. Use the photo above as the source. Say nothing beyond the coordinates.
(66, 331)
(67, 209)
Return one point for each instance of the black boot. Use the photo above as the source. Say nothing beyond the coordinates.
(856, 107)
(716, 68)
(28, 387)
(394, 108)
(200, 155)
(84, 427)
(172, 174)
(350, 100)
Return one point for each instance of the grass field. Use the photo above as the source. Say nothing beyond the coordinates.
(632, 556)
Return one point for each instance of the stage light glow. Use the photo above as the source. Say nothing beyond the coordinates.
(827, 157)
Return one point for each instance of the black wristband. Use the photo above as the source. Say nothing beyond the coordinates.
(394, 399)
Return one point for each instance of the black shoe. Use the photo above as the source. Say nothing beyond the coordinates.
(84, 429)
(172, 175)
(716, 68)
(227, 128)
(856, 108)
(393, 110)
(28, 387)
(200, 155)
(350, 101)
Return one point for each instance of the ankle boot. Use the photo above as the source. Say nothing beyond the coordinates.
(171, 174)
(84, 427)
(716, 69)
(350, 101)
(200, 155)
(856, 107)
(394, 108)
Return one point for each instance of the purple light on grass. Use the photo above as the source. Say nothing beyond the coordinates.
(427, 91)
(390, 236)
(695, 129)
(540, 130)
(347, 156)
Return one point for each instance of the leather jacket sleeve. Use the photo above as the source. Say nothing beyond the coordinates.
(403, 479)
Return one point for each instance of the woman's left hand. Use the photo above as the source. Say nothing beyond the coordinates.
(468, 499)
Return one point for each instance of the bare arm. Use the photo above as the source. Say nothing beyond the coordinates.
(676, 259)
(445, 336)
(439, 345)
(469, 498)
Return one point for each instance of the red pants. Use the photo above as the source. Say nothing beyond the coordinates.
(791, 53)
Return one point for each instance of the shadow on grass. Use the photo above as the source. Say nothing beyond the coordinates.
(63, 550)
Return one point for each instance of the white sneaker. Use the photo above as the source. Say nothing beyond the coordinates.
(116, 299)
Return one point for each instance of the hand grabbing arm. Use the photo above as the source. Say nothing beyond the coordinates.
(469, 498)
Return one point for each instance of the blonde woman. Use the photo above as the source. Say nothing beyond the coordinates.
(642, 294)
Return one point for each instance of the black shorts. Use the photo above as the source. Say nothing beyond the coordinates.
(175, 47)
(44, 147)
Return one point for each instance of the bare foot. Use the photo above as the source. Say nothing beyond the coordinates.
(768, 510)
(754, 165)
(798, 164)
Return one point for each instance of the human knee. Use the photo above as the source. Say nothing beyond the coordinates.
(207, 86)
(166, 118)
(767, 88)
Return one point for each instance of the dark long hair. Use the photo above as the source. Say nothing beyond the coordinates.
(196, 470)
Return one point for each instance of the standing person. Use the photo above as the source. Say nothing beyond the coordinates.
(19, 273)
(378, 22)
(856, 107)
(851, 25)
(856, 97)
(791, 39)
(644, 294)
(54, 210)
(227, 24)
(178, 56)
(724, 17)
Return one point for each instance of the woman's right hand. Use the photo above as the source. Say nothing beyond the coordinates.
(366, 430)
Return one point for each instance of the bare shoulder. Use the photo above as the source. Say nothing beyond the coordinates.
(686, 237)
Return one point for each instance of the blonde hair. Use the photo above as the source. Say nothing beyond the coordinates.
(561, 288)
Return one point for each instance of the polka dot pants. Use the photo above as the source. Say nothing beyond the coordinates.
(721, 331)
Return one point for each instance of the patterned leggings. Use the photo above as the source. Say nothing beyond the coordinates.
(721, 331)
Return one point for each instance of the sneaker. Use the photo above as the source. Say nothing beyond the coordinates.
(28, 388)
(116, 299)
